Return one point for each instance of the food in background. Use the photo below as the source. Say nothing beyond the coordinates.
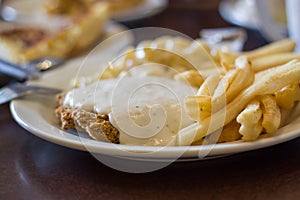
(22, 43)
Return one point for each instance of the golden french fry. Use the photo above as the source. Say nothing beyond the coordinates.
(268, 61)
(285, 116)
(233, 83)
(210, 70)
(107, 74)
(270, 55)
(288, 115)
(271, 113)
(179, 53)
(251, 121)
(230, 132)
(209, 85)
(223, 85)
(244, 79)
(178, 42)
(111, 71)
(197, 52)
(199, 142)
(198, 107)
(227, 60)
(190, 76)
(281, 46)
(203, 44)
(287, 95)
(265, 82)
(278, 77)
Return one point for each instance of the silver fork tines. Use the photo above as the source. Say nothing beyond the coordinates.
(15, 90)
(30, 70)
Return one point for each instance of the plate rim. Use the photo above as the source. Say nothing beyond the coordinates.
(140, 152)
(130, 14)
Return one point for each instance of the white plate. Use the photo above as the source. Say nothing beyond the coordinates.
(145, 9)
(242, 13)
(34, 10)
(36, 114)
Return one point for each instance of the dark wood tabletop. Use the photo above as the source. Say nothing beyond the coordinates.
(32, 168)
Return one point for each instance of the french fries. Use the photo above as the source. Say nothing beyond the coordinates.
(227, 88)
(268, 61)
(288, 95)
(233, 81)
(191, 76)
(253, 88)
(229, 133)
(251, 121)
(198, 107)
(262, 114)
(281, 46)
(271, 113)
(209, 85)
(246, 94)
(277, 53)
(178, 53)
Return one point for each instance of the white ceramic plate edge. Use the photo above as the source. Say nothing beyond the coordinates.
(28, 113)
(144, 9)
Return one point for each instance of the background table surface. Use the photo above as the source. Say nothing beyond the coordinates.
(32, 168)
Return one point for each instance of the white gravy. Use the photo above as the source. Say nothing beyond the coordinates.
(147, 110)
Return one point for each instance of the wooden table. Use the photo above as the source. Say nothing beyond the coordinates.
(32, 168)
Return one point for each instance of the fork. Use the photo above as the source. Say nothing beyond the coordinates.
(33, 70)
(30, 70)
(16, 90)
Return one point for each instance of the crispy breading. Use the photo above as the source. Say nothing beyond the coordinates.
(97, 126)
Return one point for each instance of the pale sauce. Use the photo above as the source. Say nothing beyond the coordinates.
(147, 110)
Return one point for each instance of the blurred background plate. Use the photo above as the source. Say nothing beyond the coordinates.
(34, 11)
(145, 9)
(240, 12)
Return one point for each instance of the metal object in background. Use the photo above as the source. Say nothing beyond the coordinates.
(15, 90)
